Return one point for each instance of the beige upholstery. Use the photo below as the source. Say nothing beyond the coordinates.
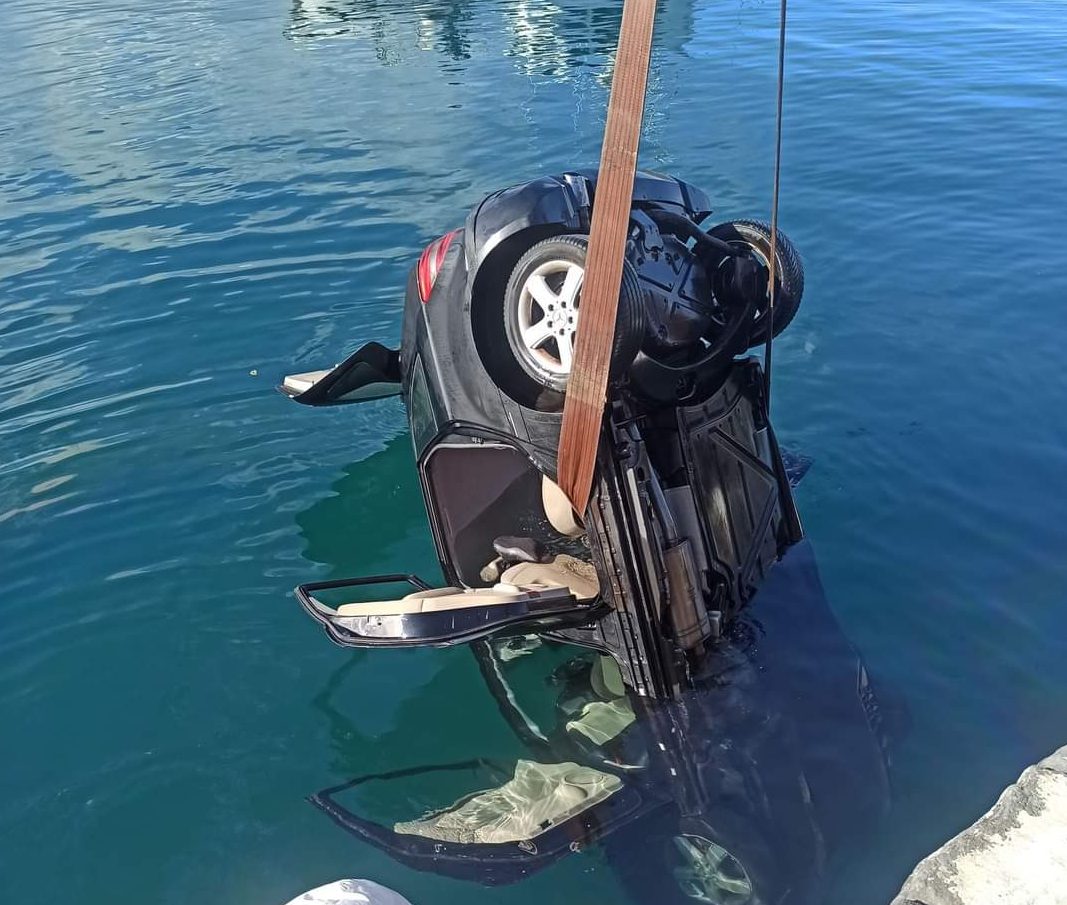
(606, 678)
(527, 580)
(538, 798)
(558, 509)
(441, 599)
(564, 571)
(602, 721)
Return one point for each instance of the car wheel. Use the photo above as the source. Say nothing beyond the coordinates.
(707, 872)
(542, 306)
(663, 859)
(755, 235)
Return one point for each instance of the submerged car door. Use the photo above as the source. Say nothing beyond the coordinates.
(497, 822)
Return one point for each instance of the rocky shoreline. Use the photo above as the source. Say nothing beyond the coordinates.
(1014, 855)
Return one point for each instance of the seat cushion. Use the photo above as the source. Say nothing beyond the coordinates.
(564, 571)
(442, 599)
(526, 579)
(538, 798)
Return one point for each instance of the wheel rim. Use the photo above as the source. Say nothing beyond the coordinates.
(709, 873)
(764, 260)
(548, 316)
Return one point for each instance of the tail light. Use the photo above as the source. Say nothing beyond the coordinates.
(430, 262)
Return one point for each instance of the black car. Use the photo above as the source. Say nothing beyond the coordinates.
(637, 623)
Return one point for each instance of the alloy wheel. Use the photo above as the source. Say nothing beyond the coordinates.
(709, 873)
(548, 316)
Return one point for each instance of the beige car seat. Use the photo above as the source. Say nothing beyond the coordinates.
(563, 575)
(564, 571)
(538, 798)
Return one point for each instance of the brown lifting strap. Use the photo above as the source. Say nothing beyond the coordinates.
(583, 409)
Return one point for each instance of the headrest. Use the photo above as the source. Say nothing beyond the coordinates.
(558, 509)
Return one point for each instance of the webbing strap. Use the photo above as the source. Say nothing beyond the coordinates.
(583, 409)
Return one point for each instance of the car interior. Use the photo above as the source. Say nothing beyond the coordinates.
(501, 521)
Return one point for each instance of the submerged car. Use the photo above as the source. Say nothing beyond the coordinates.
(646, 607)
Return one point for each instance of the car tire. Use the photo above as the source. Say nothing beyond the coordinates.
(653, 862)
(756, 236)
(541, 305)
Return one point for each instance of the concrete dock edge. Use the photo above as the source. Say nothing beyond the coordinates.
(1014, 855)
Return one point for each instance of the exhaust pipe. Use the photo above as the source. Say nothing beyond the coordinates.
(689, 617)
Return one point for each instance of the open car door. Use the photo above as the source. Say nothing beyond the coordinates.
(497, 825)
(439, 616)
(510, 571)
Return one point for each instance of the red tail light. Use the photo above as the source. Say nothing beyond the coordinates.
(430, 263)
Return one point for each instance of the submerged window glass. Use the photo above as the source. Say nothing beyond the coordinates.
(565, 700)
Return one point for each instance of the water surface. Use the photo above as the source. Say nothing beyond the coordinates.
(197, 197)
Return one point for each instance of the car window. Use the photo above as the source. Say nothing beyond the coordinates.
(568, 701)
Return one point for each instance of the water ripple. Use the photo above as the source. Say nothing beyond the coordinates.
(196, 198)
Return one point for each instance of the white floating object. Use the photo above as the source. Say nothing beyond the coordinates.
(350, 892)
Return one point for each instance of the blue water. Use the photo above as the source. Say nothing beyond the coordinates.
(197, 197)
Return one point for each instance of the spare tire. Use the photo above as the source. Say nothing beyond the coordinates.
(541, 306)
(755, 235)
